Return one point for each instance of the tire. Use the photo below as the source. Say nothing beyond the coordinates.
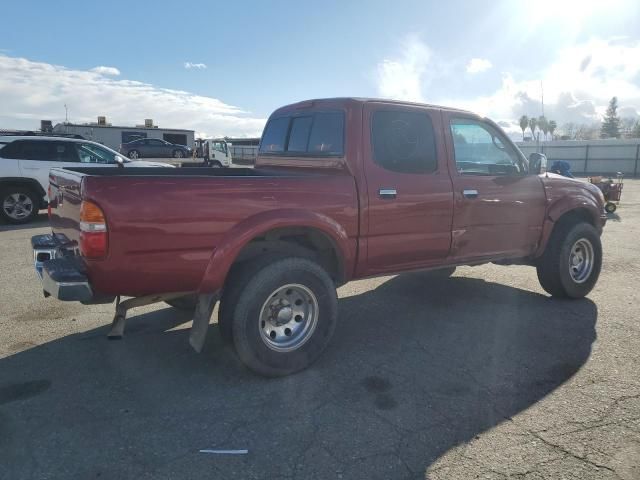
(216, 164)
(134, 155)
(557, 275)
(305, 298)
(610, 207)
(19, 205)
(187, 303)
(178, 154)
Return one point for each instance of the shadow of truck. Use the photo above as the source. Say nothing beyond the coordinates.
(417, 366)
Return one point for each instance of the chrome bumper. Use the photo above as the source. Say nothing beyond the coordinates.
(61, 277)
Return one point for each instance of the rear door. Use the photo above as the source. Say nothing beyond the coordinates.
(409, 189)
(37, 157)
(499, 208)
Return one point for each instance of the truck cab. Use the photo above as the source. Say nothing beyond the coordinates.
(217, 152)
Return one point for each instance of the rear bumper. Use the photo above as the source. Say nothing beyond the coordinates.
(62, 276)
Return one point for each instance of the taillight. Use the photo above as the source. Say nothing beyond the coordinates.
(93, 231)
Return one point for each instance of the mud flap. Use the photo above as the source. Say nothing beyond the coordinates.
(204, 309)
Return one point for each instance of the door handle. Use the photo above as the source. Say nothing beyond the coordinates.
(470, 193)
(387, 193)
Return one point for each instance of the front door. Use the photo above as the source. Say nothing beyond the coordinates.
(409, 189)
(499, 208)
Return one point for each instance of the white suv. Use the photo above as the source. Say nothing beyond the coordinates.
(25, 162)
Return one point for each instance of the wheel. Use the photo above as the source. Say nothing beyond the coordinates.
(283, 316)
(571, 263)
(134, 154)
(216, 164)
(610, 207)
(178, 154)
(187, 303)
(19, 204)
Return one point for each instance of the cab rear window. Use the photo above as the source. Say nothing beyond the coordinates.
(314, 134)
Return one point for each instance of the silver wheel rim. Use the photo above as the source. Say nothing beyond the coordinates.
(581, 260)
(177, 154)
(17, 206)
(133, 154)
(288, 318)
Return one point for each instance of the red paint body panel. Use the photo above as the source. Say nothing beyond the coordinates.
(174, 232)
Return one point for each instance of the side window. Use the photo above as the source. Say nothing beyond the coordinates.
(274, 135)
(479, 150)
(299, 134)
(64, 152)
(12, 150)
(90, 153)
(404, 141)
(48, 151)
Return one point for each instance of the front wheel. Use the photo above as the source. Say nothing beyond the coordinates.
(572, 261)
(216, 164)
(284, 315)
(134, 155)
(610, 207)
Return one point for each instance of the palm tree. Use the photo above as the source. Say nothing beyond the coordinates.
(552, 127)
(543, 125)
(533, 123)
(524, 122)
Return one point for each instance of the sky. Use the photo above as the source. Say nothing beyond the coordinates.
(221, 68)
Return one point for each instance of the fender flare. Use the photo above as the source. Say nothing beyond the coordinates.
(234, 240)
(26, 182)
(564, 205)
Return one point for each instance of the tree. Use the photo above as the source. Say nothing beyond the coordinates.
(611, 122)
(524, 123)
(635, 133)
(543, 125)
(532, 125)
(552, 127)
(569, 130)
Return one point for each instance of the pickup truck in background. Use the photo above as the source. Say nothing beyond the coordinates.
(343, 189)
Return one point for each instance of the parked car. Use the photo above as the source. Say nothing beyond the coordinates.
(343, 189)
(25, 162)
(153, 148)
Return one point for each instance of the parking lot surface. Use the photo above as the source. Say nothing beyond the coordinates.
(478, 376)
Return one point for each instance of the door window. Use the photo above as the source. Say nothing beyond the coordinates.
(480, 150)
(155, 143)
(404, 141)
(48, 151)
(90, 153)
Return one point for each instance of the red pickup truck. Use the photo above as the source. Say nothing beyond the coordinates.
(342, 189)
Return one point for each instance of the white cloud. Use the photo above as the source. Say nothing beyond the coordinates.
(199, 66)
(31, 91)
(478, 65)
(106, 70)
(578, 85)
(402, 78)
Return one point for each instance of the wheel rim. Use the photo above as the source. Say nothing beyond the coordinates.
(288, 318)
(581, 260)
(17, 206)
(133, 154)
(177, 154)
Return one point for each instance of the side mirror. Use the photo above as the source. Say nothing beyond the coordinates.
(120, 161)
(537, 163)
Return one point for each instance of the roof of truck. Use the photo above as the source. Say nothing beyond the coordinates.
(368, 99)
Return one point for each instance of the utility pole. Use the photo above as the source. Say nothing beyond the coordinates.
(66, 114)
(542, 95)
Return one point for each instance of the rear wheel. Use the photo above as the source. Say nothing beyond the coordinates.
(18, 204)
(178, 154)
(571, 263)
(610, 207)
(283, 314)
(134, 154)
(216, 164)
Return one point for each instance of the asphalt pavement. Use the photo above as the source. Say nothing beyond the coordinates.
(479, 376)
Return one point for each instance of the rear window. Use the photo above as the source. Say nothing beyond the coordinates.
(315, 134)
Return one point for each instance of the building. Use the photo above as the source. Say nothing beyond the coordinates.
(112, 135)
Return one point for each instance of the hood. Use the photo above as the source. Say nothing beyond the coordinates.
(144, 163)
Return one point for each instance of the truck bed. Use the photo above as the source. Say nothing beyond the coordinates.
(164, 225)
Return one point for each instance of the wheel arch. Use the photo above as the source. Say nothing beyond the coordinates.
(30, 183)
(301, 233)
